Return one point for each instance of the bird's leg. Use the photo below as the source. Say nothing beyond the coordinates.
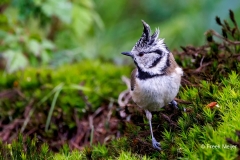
(154, 142)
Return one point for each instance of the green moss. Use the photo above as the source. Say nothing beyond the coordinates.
(75, 155)
(24, 150)
(200, 127)
(215, 144)
(201, 134)
(99, 82)
(208, 140)
(52, 95)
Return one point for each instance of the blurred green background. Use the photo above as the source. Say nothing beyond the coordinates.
(56, 32)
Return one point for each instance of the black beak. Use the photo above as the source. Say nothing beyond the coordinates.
(127, 54)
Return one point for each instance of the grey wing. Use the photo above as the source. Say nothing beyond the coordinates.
(133, 79)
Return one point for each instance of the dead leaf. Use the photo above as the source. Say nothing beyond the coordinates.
(212, 105)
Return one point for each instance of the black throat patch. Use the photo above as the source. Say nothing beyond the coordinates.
(145, 75)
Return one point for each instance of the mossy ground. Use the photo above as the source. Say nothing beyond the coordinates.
(50, 103)
(201, 132)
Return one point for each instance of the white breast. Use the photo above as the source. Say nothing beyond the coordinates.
(156, 92)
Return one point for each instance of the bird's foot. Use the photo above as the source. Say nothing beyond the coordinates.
(175, 105)
(156, 144)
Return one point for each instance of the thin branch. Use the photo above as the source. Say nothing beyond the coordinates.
(225, 39)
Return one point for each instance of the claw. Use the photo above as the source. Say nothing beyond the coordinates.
(156, 144)
(175, 105)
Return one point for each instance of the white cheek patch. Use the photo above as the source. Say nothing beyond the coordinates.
(144, 62)
(179, 70)
(149, 60)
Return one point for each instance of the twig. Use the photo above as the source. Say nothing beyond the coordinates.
(202, 61)
(92, 129)
(182, 101)
(221, 37)
(202, 66)
(80, 129)
(124, 98)
(27, 115)
(126, 81)
(85, 98)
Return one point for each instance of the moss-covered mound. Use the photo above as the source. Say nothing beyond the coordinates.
(51, 102)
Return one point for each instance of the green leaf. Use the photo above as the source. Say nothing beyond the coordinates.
(45, 56)
(46, 44)
(35, 47)
(58, 89)
(15, 60)
(61, 9)
(81, 18)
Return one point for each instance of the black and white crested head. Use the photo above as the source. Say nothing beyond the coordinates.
(147, 39)
(150, 54)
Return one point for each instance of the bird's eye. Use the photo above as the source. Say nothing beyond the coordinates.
(140, 54)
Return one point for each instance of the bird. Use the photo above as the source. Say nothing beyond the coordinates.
(156, 80)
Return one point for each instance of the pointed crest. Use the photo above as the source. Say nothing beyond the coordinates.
(146, 31)
(146, 38)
